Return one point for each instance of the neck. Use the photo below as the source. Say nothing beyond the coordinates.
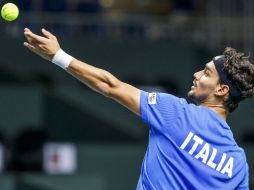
(217, 108)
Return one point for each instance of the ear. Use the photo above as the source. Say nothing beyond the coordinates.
(222, 90)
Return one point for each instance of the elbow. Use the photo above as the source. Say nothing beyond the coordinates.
(107, 85)
(105, 89)
(108, 90)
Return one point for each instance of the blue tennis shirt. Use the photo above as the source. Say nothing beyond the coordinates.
(190, 147)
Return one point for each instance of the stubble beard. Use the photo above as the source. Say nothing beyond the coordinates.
(193, 98)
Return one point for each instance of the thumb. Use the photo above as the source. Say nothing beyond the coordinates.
(47, 33)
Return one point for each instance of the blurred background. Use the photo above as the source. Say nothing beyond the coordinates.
(56, 134)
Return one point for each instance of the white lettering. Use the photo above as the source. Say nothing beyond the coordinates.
(187, 140)
(210, 161)
(205, 156)
(204, 153)
(197, 142)
(223, 158)
(228, 167)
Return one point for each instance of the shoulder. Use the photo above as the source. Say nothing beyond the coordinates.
(160, 108)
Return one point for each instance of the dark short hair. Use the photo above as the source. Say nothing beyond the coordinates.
(241, 72)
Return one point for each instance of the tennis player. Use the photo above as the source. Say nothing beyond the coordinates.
(190, 146)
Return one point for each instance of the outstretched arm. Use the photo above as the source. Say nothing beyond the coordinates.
(97, 79)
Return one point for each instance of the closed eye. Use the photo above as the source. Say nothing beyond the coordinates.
(206, 72)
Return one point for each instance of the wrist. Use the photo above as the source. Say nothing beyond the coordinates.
(62, 59)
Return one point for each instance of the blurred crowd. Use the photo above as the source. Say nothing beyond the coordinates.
(213, 23)
(95, 6)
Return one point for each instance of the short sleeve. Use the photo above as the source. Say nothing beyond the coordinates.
(160, 109)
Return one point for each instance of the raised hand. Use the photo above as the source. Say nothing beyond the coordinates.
(45, 46)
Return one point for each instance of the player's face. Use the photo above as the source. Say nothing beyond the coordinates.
(204, 84)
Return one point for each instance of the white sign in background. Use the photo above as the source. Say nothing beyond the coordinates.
(59, 158)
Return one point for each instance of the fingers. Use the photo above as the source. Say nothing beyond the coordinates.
(45, 46)
(30, 36)
(27, 30)
(47, 34)
(30, 47)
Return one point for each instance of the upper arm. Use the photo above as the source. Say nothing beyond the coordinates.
(127, 95)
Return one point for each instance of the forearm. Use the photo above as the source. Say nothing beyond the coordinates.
(97, 79)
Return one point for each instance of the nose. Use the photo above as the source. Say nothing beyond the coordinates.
(197, 75)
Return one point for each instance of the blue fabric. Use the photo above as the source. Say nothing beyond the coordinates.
(190, 147)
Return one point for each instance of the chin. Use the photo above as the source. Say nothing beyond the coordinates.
(190, 94)
(193, 98)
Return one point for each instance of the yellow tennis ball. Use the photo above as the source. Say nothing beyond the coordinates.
(10, 12)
